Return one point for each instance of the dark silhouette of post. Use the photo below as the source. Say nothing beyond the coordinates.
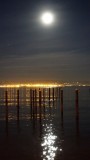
(31, 102)
(56, 92)
(33, 97)
(53, 94)
(77, 101)
(43, 95)
(77, 111)
(40, 99)
(18, 105)
(44, 101)
(59, 91)
(17, 97)
(6, 103)
(49, 94)
(61, 98)
(77, 95)
(36, 102)
(6, 98)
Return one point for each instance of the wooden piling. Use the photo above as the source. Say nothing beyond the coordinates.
(53, 93)
(33, 101)
(17, 97)
(35, 97)
(44, 102)
(77, 95)
(77, 101)
(18, 105)
(77, 111)
(31, 97)
(59, 91)
(6, 98)
(6, 103)
(61, 95)
(36, 102)
(49, 94)
(40, 99)
(43, 95)
(56, 92)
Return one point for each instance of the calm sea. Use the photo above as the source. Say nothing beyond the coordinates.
(45, 129)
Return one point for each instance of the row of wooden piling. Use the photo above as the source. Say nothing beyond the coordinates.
(33, 96)
(41, 99)
(34, 99)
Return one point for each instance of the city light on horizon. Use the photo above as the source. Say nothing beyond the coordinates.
(37, 85)
(43, 85)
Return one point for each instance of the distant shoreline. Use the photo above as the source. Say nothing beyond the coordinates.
(43, 85)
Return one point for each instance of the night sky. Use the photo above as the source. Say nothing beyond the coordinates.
(31, 51)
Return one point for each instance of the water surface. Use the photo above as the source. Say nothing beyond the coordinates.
(45, 132)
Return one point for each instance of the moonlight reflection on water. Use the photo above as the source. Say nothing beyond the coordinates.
(49, 143)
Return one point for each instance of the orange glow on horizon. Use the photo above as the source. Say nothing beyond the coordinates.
(37, 85)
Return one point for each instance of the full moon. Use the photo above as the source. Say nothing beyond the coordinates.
(47, 18)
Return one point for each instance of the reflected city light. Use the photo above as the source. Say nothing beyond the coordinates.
(49, 144)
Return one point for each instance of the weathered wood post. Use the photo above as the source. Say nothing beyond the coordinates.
(6, 103)
(61, 101)
(53, 94)
(77, 101)
(77, 110)
(40, 98)
(33, 97)
(33, 101)
(17, 97)
(6, 98)
(30, 96)
(59, 91)
(77, 95)
(36, 102)
(44, 101)
(56, 93)
(43, 95)
(49, 94)
(18, 105)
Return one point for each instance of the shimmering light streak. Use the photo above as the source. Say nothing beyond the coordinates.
(49, 144)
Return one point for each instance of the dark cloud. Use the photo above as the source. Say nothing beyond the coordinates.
(30, 50)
